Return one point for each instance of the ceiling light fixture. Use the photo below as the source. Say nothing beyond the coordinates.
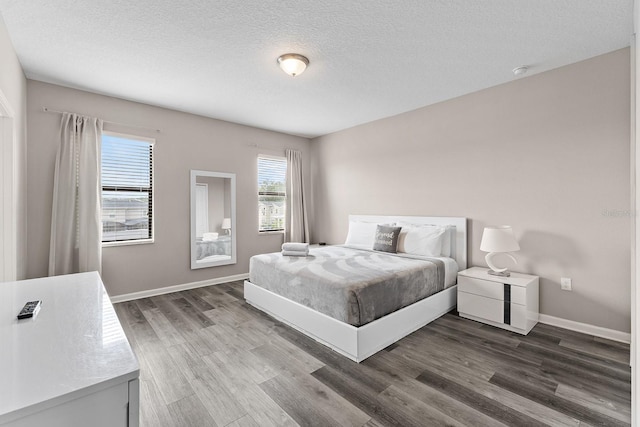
(518, 71)
(293, 63)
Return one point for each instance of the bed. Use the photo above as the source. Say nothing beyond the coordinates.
(356, 300)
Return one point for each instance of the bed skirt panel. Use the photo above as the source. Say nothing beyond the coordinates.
(356, 343)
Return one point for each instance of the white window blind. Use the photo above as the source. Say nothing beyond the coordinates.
(127, 188)
(272, 176)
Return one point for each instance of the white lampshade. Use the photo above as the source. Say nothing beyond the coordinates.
(293, 64)
(499, 239)
(226, 224)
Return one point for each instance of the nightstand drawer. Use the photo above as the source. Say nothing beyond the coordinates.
(483, 307)
(481, 287)
(518, 316)
(519, 295)
(492, 309)
(490, 289)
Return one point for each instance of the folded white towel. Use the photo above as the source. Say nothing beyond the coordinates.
(295, 253)
(292, 246)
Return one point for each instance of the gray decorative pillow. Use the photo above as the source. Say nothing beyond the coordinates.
(386, 239)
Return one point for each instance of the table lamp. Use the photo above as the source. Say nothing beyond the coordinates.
(226, 225)
(498, 240)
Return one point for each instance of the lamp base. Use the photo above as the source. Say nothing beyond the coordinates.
(499, 273)
(495, 271)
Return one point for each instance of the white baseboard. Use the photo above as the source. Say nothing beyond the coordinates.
(177, 288)
(585, 328)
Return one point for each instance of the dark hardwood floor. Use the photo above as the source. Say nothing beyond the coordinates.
(207, 358)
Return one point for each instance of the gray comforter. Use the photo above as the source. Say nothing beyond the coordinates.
(351, 285)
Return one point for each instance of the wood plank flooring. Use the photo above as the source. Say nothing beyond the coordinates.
(209, 359)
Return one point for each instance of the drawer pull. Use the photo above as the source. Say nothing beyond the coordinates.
(507, 304)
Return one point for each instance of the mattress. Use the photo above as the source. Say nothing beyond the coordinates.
(354, 286)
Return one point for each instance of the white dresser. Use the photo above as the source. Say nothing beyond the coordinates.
(71, 365)
(505, 302)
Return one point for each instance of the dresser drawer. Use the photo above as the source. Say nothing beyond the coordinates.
(481, 287)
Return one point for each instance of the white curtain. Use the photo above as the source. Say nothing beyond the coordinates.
(297, 220)
(76, 229)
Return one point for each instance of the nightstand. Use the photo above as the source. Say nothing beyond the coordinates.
(505, 302)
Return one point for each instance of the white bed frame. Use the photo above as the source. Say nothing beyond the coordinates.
(358, 343)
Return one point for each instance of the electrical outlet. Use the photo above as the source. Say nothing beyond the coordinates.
(565, 283)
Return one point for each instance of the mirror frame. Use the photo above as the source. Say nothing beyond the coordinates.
(232, 177)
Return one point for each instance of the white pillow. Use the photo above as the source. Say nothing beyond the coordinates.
(449, 231)
(446, 240)
(361, 234)
(209, 237)
(423, 241)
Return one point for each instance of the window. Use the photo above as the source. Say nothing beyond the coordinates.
(272, 175)
(127, 189)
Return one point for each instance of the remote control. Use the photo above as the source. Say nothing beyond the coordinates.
(30, 309)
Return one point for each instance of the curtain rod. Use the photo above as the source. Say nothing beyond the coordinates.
(49, 110)
(262, 147)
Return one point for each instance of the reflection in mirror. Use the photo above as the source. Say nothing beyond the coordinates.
(213, 239)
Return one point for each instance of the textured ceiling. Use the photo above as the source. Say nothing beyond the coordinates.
(369, 59)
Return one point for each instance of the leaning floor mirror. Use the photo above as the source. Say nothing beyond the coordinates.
(213, 219)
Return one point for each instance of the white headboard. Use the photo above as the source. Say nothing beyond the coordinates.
(458, 245)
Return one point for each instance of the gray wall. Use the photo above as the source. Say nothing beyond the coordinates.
(14, 87)
(547, 154)
(185, 142)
